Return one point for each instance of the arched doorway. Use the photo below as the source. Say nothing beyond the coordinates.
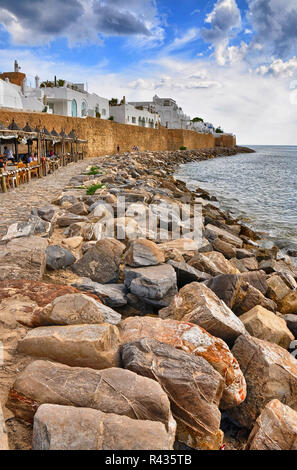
(74, 108)
(83, 109)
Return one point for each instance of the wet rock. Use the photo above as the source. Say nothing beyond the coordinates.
(112, 295)
(196, 303)
(68, 428)
(226, 236)
(275, 428)
(3, 433)
(23, 259)
(111, 390)
(213, 263)
(58, 258)
(270, 372)
(192, 385)
(144, 252)
(101, 263)
(156, 285)
(187, 274)
(95, 346)
(193, 340)
(77, 309)
(264, 324)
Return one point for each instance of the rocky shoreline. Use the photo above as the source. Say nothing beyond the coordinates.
(144, 340)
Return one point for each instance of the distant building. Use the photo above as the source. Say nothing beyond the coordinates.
(171, 115)
(202, 127)
(125, 113)
(63, 98)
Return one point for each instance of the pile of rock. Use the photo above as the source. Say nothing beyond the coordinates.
(121, 335)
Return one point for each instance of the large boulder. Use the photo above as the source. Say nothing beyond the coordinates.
(213, 263)
(282, 266)
(68, 428)
(3, 432)
(264, 324)
(186, 273)
(67, 219)
(228, 250)
(34, 226)
(22, 301)
(156, 285)
(212, 232)
(288, 304)
(144, 252)
(191, 383)
(196, 303)
(194, 340)
(270, 372)
(101, 263)
(112, 295)
(58, 257)
(77, 309)
(23, 259)
(111, 390)
(275, 428)
(184, 246)
(238, 294)
(95, 346)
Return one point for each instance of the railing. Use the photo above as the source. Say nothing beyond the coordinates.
(11, 179)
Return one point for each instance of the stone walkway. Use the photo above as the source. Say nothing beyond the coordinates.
(16, 204)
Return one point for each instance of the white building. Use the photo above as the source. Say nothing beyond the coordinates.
(171, 115)
(125, 113)
(202, 127)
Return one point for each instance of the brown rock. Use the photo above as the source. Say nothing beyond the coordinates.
(288, 304)
(282, 266)
(3, 432)
(275, 428)
(79, 209)
(68, 219)
(73, 242)
(192, 385)
(196, 303)
(277, 288)
(270, 372)
(144, 252)
(264, 324)
(185, 246)
(77, 309)
(213, 263)
(225, 248)
(101, 263)
(95, 346)
(224, 235)
(69, 428)
(112, 390)
(191, 339)
(23, 259)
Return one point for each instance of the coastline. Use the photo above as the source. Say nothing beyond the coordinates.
(160, 284)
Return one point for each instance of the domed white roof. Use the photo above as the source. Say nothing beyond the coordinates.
(10, 96)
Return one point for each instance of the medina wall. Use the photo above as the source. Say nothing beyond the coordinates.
(104, 136)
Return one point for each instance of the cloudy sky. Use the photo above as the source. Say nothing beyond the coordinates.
(232, 62)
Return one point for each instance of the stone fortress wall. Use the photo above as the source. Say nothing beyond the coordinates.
(104, 136)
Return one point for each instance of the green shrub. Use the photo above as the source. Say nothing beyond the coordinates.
(92, 189)
(111, 118)
(94, 170)
(183, 148)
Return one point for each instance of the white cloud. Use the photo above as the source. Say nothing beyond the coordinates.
(191, 35)
(279, 68)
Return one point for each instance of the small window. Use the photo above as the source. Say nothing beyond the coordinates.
(134, 120)
(103, 112)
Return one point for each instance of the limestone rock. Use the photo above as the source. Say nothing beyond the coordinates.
(111, 390)
(58, 258)
(156, 285)
(68, 428)
(77, 309)
(23, 259)
(194, 340)
(224, 235)
(275, 428)
(192, 385)
(187, 274)
(144, 252)
(112, 295)
(270, 372)
(264, 324)
(196, 303)
(101, 263)
(95, 346)
(213, 263)
(3, 433)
